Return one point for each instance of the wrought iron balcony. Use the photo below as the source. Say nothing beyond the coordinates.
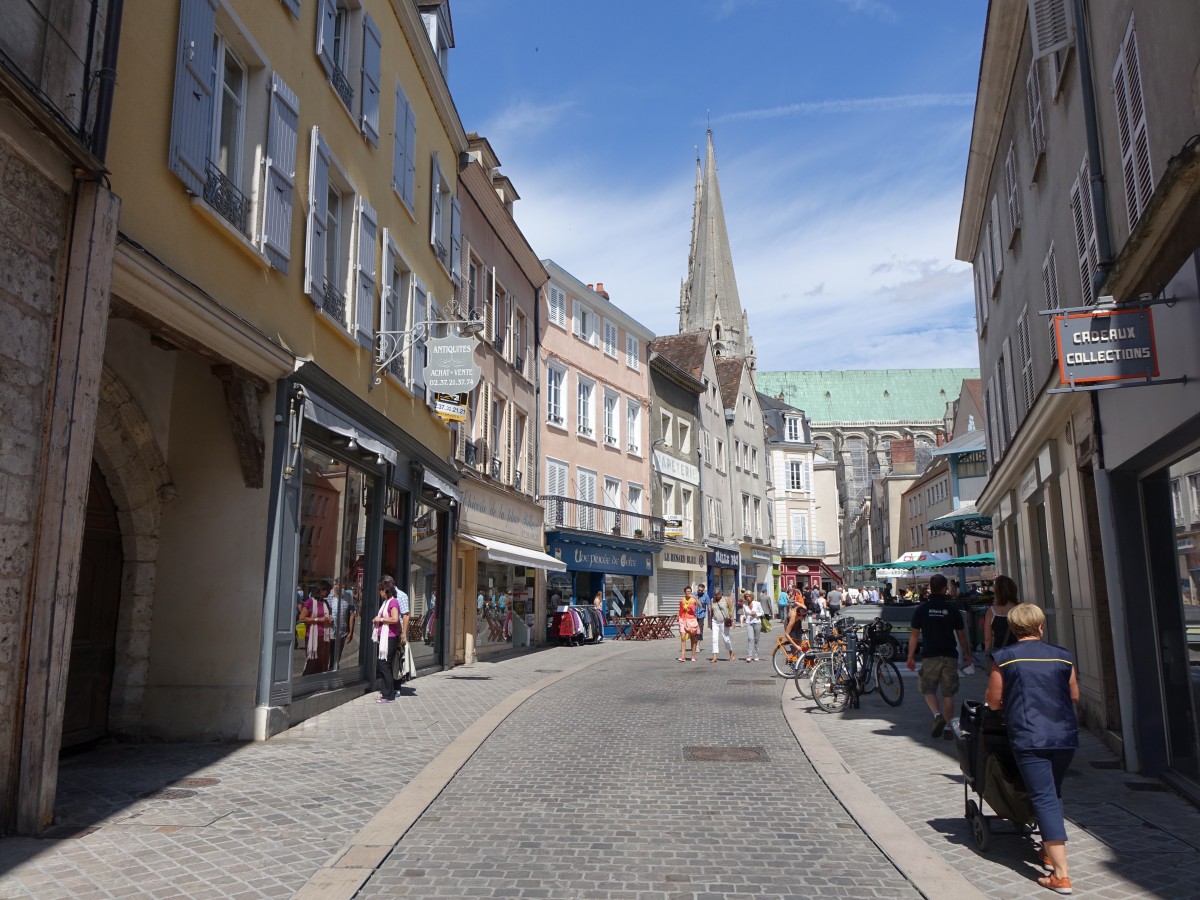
(519, 364)
(333, 302)
(802, 548)
(342, 85)
(517, 480)
(497, 468)
(498, 343)
(223, 195)
(579, 515)
(469, 454)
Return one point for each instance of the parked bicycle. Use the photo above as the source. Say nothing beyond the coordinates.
(838, 681)
(825, 640)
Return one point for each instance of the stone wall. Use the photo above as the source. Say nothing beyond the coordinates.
(33, 223)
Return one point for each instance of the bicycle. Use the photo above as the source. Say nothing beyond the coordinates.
(839, 681)
(823, 643)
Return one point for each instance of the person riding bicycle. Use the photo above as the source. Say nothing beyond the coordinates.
(794, 630)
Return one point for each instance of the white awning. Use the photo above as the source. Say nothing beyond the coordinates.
(498, 551)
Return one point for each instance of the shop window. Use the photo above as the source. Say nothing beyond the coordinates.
(329, 581)
(503, 606)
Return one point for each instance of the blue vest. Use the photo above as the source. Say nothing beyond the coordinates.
(1037, 696)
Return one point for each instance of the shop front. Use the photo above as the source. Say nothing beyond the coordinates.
(755, 568)
(676, 568)
(348, 506)
(722, 565)
(620, 574)
(503, 568)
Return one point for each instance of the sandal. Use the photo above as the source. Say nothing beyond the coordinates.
(680, 659)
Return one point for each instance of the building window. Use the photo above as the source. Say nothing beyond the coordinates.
(610, 339)
(585, 411)
(1012, 188)
(794, 434)
(745, 515)
(633, 426)
(757, 519)
(1026, 353)
(754, 461)
(556, 478)
(737, 455)
(685, 436)
(1194, 496)
(1037, 123)
(404, 151)
(1131, 127)
(585, 492)
(1177, 500)
(633, 352)
(584, 325)
(1084, 218)
(685, 510)
(330, 214)
(445, 218)
(1050, 291)
(554, 395)
(664, 428)
(633, 497)
(795, 475)
(611, 435)
(720, 455)
(557, 307)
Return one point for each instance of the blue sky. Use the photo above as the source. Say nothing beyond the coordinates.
(841, 130)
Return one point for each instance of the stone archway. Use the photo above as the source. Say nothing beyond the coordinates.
(133, 466)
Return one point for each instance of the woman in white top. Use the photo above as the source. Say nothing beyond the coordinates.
(752, 613)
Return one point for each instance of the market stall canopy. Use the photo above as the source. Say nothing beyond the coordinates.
(964, 520)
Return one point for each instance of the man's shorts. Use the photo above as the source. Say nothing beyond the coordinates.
(938, 672)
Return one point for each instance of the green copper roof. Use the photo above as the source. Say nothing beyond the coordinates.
(868, 395)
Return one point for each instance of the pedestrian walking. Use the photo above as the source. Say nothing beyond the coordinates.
(1034, 683)
(834, 601)
(996, 633)
(390, 633)
(936, 623)
(722, 620)
(784, 604)
(752, 613)
(702, 604)
(689, 629)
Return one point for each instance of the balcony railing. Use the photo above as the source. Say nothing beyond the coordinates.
(802, 548)
(517, 480)
(470, 455)
(333, 302)
(223, 195)
(579, 515)
(497, 467)
(342, 85)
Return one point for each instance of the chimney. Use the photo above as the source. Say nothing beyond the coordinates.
(600, 290)
(591, 287)
(904, 456)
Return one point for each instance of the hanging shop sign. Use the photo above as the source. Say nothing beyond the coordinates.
(673, 527)
(451, 367)
(1100, 345)
(450, 407)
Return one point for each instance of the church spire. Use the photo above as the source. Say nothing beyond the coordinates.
(710, 299)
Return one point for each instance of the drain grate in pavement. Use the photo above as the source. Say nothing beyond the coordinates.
(753, 681)
(168, 794)
(1146, 786)
(196, 782)
(1105, 764)
(725, 754)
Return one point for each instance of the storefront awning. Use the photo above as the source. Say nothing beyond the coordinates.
(319, 410)
(438, 483)
(498, 551)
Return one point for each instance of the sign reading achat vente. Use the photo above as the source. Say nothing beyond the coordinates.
(451, 368)
(1105, 345)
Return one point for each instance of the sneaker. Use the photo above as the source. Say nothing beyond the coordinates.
(1056, 884)
(1044, 860)
(384, 700)
(939, 726)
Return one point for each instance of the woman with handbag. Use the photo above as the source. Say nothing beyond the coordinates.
(689, 628)
(722, 621)
(752, 615)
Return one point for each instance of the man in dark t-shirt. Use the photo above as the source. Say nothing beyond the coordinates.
(938, 624)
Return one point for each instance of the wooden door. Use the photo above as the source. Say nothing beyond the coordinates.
(93, 642)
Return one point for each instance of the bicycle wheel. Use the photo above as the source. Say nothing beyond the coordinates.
(889, 682)
(783, 665)
(803, 679)
(831, 689)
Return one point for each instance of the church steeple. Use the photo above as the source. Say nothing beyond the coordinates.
(709, 298)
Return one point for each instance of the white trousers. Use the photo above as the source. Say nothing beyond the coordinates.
(721, 633)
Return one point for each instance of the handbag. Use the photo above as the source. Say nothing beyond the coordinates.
(766, 624)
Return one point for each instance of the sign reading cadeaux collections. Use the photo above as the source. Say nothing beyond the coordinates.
(1105, 345)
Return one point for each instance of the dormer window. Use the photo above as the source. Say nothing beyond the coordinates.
(436, 16)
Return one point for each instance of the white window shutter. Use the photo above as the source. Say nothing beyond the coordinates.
(489, 304)
(1084, 221)
(420, 303)
(456, 240)
(997, 241)
(387, 293)
(435, 202)
(404, 142)
(318, 210)
(1131, 127)
(192, 108)
(1037, 124)
(371, 55)
(365, 308)
(1013, 189)
(1051, 26)
(279, 182)
(326, 21)
(1026, 354)
(1010, 393)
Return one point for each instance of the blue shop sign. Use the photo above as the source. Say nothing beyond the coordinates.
(594, 558)
(723, 559)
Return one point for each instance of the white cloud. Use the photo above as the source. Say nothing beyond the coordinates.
(852, 105)
(523, 119)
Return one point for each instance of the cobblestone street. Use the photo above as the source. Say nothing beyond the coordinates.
(602, 771)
